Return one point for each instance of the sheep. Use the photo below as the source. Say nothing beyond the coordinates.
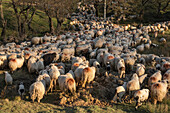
(37, 90)
(65, 57)
(8, 78)
(32, 65)
(21, 90)
(158, 91)
(47, 79)
(54, 74)
(36, 40)
(75, 66)
(16, 63)
(88, 75)
(129, 63)
(121, 68)
(120, 92)
(67, 83)
(133, 85)
(78, 73)
(154, 78)
(140, 96)
(166, 76)
(48, 58)
(70, 51)
(40, 64)
(97, 66)
(140, 69)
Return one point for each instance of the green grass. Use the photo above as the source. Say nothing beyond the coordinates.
(39, 22)
(163, 48)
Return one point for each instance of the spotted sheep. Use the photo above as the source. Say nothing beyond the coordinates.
(140, 96)
(154, 78)
(120, 92)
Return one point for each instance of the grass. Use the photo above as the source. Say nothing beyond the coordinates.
(163, 48)
(39, 23)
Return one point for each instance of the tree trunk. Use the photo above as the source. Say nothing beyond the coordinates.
(4, 22)
(51, 26)
(105, 9)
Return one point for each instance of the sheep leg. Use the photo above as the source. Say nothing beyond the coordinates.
(55, 85)
(51, 85)
(154, 101)
(84, 81)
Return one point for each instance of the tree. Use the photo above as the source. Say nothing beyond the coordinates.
(22, 9)
(4, 22)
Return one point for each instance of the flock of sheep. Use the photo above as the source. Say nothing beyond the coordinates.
(97, 44)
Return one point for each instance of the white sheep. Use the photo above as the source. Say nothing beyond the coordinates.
(8, 78)
(21, 90)
(37, 90)
(47, 79)
(32, 65)
(158, 91)
(67, 83)
(140, 69)
(40, 64)
(133, 85)
(120, 92)
(78, 73)
(54, 74)
(140, 96)
(121, 68)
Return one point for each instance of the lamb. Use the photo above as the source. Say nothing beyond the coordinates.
(54, 74)
(67, 83)
(21, 90)
(8, 78)
(88, 75)
(37, 90)
(140, 96)
(154, 78)
(133, 85)
(120, 92)
(158, 91)
(140, 69)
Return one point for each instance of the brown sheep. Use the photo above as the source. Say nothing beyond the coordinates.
(48, 58)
